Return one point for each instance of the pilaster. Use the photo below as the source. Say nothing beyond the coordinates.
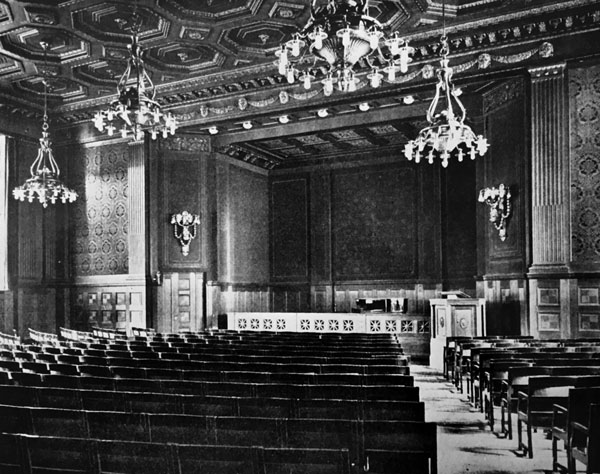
(549, 171)
(136, 189)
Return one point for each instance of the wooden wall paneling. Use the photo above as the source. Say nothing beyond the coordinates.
(506, 162)
(429, 223)
(374, 230)
(320, 229)
(184, 189)
(290, 236)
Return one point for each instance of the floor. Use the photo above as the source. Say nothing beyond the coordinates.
(465, 442)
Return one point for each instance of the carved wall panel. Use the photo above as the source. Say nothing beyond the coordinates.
(584, 101)
(374, 223)
(100, 215)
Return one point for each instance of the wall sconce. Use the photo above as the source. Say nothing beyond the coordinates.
(184, 229)
(499, 200)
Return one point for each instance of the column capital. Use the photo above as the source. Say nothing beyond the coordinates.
(547, 71)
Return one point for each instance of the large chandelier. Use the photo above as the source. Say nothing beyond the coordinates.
(340, 34)
(44, 184)
(135, 110)
(447, 134)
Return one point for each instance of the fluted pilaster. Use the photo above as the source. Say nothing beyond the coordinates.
(549, 170)
(136, 190)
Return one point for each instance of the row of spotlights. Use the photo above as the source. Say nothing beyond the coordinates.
(283, 119)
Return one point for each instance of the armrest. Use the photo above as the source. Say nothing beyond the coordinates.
(559, 417)
(522, 401)
(579, 427)
(559, 409)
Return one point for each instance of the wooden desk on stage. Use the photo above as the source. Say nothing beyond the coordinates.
(456, 316)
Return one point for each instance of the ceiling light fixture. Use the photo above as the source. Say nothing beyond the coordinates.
(446, 134)
(284, 119)
(409, 99)
(341, 34)
(44, 184)
(247, 125)
(322, 113)
(135, 106)
(213, 130)
(364, 106)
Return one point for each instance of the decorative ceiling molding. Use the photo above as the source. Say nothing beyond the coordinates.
(214, 60)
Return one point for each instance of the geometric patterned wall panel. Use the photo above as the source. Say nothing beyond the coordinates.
(584, 98)
(100, 216)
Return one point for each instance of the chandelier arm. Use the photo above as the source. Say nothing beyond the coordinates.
(54, 169)
(122, 84)
(434, 103)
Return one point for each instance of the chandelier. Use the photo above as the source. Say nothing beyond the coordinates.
(135, 110)
(44, 184)
(447, 134)
(341, 34)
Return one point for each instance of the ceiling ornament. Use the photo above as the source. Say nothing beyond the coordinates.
(45, 184)
(135, 108)
(341, 34)
(446, 134)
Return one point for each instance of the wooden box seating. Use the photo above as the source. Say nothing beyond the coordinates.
(535, 405)
(358, 437)
(576, 410)
(585, 441)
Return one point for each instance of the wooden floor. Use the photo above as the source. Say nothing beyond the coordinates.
(465, 442)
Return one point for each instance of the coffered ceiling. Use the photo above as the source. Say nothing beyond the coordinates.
(213, 60)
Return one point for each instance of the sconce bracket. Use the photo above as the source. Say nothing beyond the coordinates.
(500, 201)
(184, 229)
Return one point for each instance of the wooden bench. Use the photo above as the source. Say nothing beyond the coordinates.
(585, 441)
(576, 410)
(535, 406)
(518, 379)
(365, 441)
(31, 454)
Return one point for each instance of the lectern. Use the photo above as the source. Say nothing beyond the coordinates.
(455, 314)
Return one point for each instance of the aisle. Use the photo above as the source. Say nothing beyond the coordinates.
(465, 442)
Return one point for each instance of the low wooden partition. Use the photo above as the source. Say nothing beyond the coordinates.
(366, 323)
(411, 330)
